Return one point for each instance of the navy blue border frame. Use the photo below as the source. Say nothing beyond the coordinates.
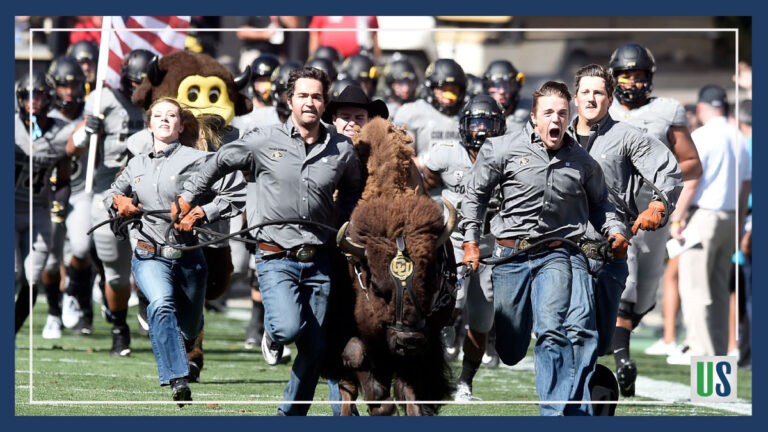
(388, 7)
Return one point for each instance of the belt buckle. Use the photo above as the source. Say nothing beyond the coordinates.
(305, 253)
(168, 252)
(523, 244)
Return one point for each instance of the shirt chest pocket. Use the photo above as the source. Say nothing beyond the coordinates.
(568, 183)
(616, 170)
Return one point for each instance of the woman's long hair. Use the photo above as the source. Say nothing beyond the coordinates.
(190, 136)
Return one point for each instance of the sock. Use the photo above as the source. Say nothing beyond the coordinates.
(468, 371)
(621, 344)
(119, 318)
(53, 295)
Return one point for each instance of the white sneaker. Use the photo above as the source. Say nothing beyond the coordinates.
(734, 353)
(463, 392)
(661, 348)
(272, 352)
(70, 311)
(681, 356)
(52, 329)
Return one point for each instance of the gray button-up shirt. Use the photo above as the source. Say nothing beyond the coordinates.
(158, 177)
(541, 198)
(294, 180)
(625, 153)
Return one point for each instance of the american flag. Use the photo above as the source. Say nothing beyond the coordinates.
(159, 41)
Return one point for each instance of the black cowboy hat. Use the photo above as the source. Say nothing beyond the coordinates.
(355, 96)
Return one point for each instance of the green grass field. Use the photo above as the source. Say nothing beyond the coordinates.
(75, 376)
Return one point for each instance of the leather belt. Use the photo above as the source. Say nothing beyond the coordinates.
(301, 253)
(164, 251)
(525, 244)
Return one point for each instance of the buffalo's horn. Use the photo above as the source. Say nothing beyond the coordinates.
(449, 224)
(243, 79)
(347, 245)
(154, 73)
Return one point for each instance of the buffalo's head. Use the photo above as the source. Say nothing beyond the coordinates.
(393, 244)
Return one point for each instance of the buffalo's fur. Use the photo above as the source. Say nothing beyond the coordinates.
(362, 307)
(386, 153)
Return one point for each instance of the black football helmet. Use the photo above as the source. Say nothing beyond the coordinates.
(361, 69)
(442, 72)
(398, 71)
(633, 56)
(324, 65)
(84, 50)
(481, 118)
(38, 85)
(338, 86)
(474, 86)
(502, 72)
(280, 85)
(66, 70)
(328, 53)
(134, 70)
(264, 65)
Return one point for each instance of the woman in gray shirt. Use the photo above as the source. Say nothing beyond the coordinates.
(172, 280)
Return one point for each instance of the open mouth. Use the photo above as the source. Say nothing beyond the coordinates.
(554, 133)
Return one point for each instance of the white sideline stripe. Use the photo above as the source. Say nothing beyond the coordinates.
(681, 393)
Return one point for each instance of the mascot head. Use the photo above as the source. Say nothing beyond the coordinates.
(198, 81)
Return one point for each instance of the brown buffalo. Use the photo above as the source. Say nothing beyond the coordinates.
(396, 290)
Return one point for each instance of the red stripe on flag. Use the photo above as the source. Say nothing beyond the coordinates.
(151, 37)
(114, 62)
(172, 21)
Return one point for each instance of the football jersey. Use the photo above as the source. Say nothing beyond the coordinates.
(121, 119)
(46, 152)
(452, 162)
(429, 126)
(654, 118)
(77, 164)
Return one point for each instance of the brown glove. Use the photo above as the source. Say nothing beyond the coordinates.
(124, 206)
(185, 208)
(619, 245)
(194, 215)
(471, 255)
(650, 218)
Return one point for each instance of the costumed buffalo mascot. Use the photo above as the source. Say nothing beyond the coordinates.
(212, 92)
(395, 291)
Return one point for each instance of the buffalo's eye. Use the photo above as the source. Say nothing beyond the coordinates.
(193, 93)
(214, 94)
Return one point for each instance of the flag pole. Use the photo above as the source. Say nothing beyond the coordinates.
(101, 74)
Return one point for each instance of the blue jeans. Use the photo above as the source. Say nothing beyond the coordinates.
(581, 328)
(536, 288)
(176, 293)
(295, 297)
(608, 287)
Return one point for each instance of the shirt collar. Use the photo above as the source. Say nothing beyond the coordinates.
(597, 127)
(293, 131)
(166, 152)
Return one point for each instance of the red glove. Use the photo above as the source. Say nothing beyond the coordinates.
(185, 208)
(194, 215)
(650, 218)
(619, 245)
(471, 255)
(124, 206)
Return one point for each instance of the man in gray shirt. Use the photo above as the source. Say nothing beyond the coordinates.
(625, 153)
(551, 188)
(297, 167)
